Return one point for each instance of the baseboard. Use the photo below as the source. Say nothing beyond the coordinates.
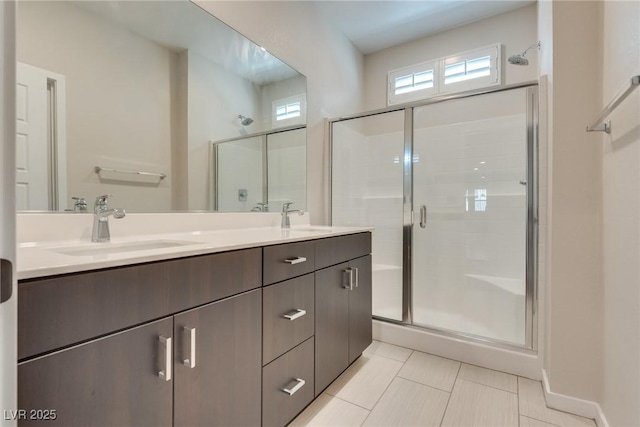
(562, 402)
(513, 362)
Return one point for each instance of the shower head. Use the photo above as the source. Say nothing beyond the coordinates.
(520, 58)
(245, 121)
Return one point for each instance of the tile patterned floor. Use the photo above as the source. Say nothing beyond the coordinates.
(394, 386)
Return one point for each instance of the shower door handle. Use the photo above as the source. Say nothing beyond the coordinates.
(423, 216)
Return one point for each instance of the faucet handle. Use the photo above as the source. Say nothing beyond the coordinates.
(103, 199)
(285, 206)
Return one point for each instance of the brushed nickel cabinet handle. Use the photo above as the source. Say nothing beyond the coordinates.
(190, 340)
(296, 314)
(423, 216)
(299, 383)
(356, 279)
(349, 272)
(296, 260)
(165, 358)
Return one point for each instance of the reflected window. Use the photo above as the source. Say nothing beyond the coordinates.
(480, 198)
(289, 111)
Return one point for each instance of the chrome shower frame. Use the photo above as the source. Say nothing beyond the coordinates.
(531, 274)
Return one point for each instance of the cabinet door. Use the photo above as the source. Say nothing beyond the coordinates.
(360, 308)
(222, 386)
(112, 381)
(332, 325)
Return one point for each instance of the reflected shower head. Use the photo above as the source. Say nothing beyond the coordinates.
(245, 121)
(520, 59)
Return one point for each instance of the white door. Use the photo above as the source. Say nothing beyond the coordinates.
(32, 165)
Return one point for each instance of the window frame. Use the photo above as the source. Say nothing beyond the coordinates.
(393, 98)
(438, 66)
(301, 119)
(494, 78)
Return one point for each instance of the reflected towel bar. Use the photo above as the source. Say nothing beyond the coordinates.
(599, 124)
(99, 169)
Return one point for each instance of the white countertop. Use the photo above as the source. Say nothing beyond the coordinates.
(41, 259)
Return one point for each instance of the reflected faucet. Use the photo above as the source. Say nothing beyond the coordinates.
(80, 204)
(286, 223)
(262, 207)
(101, 214)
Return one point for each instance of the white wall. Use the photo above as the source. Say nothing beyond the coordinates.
(293, 32)
(213, 110)
(105, 65)
(515, 30)
(573, 309)
(621, 215)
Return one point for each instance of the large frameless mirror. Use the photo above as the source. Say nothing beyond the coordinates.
(127, 98)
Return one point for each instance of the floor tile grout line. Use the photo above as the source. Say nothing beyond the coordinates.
(518, 394)
(426, 385)
(388, 385)
(389, 358)
(487, 385)
(546, 407)
(446, 408)
(542, 421)
(351, 403)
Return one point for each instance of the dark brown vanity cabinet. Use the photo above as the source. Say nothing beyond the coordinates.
(217, 365)
(112, 381)
(343, 318)
(100, 369)
(197, 341)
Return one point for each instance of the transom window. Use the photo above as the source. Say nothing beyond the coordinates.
(289, 111)
(456, 73)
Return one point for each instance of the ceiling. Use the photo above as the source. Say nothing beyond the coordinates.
(377, 25)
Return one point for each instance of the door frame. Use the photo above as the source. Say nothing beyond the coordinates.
(531, 281)
(56, 137)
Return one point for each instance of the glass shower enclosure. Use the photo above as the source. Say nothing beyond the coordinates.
(450, 188)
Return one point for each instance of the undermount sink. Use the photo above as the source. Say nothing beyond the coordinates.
(116, 248)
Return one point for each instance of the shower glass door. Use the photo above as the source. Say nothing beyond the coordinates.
(367, 190)
(469, 239)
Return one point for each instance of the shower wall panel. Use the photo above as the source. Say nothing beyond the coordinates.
(367, 173)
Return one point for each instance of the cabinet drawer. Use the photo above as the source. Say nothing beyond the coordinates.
(63, 310)
(282, 262)
(279, 407)
(335, 250)
(288, 298)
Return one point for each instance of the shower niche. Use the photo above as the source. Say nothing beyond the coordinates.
(450, 188)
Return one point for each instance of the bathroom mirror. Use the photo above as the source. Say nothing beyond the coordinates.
(259, 173)
(128, 97)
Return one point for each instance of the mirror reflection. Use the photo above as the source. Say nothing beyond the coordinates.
(261, 172)
(131, 98)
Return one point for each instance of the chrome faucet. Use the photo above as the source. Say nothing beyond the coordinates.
(101, 214)
(286, 223)
(80, 204)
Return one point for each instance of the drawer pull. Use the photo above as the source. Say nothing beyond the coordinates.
(190, 340)
(295, 314)
(296, 260)
(291, 390)
(165, 358)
